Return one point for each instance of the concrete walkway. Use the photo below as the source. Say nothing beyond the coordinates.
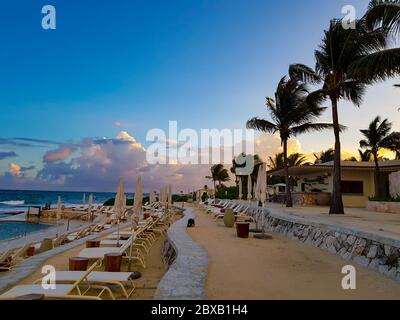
(381, 224)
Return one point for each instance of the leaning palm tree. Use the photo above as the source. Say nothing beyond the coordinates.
(218, 173)
(292, 114)
(324, 156)
(346, 62)
(378, 137)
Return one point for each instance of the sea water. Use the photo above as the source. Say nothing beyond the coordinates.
(13, 201)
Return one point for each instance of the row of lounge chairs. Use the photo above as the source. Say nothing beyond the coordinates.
(218, 207)
(10, 258)
(134, 243)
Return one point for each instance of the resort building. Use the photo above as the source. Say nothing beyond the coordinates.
(314, 183)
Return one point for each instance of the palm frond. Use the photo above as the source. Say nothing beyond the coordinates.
(384, 13)
(309, 127)
(376, 66)
(303, 73)
(261, 125)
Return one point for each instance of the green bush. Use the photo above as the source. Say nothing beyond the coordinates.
(129, 202)
(384, 199)
(179, 198)
(229, 193)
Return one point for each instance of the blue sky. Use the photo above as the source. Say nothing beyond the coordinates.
(141, 63)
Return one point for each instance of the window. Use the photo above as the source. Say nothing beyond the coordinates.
(353, 187)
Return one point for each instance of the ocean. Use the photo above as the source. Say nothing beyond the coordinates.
(12, 201)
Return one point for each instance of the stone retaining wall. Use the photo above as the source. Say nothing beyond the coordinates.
(380, 206)
(367, 249)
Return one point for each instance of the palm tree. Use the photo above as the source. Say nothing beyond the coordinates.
(346, 62)
(293, 160)
(218, 173)
(292, 114)
(365, 156)
(378, 137)
(384, 13)
(325, 156)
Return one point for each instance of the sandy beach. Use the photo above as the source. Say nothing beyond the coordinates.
(278, 269)
(145, 286)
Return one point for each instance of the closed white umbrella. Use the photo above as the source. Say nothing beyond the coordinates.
(119, 204)
(263, 182)
(249, 188)
(161, 195)
(58, 213)
(169, 195)
(240, 189)
(90, 206)
(84, 199)
(138, 197)
(164, 195)
(151, 197)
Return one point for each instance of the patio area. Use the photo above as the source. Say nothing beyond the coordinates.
(382, 224)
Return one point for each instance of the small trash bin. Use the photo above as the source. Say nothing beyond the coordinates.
(78, 263)
(30, 252)
(242, 229)
(112, 262)
(92, 243)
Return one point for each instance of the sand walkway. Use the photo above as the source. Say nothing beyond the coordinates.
(145, 286)
(278, 269)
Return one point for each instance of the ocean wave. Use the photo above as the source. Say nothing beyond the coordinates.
(13, 202)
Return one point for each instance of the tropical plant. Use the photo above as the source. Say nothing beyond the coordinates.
(293, 160)
(346, 62)
(218, 173)
(378, 137)
(256, 164)
(324, 156)
(352, 159)
(365, 156)
(385, 13)
(292, 114)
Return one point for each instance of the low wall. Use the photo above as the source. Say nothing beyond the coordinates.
(367, 249)
(307, 198)
(185, 279)
(386, 207)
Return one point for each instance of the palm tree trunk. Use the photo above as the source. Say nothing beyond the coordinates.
(336, 199)
(289, 202)
(377, 177)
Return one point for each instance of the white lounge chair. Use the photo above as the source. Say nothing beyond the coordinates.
(61, 291)
(122, 279)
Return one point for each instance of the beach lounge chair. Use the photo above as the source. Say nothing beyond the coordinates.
(60, 240)
(127, 248)
(81, 233)
(121, 279)
(5, 259)
(61, 291)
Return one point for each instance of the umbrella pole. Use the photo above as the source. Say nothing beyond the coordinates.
(118, 233)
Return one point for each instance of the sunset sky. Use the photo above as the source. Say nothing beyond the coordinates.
(78, 101)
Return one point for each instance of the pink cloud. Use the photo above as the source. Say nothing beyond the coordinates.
(62, 153)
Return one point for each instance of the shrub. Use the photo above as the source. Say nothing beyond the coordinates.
(129, 202)
(384, 199)
(229, 193)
